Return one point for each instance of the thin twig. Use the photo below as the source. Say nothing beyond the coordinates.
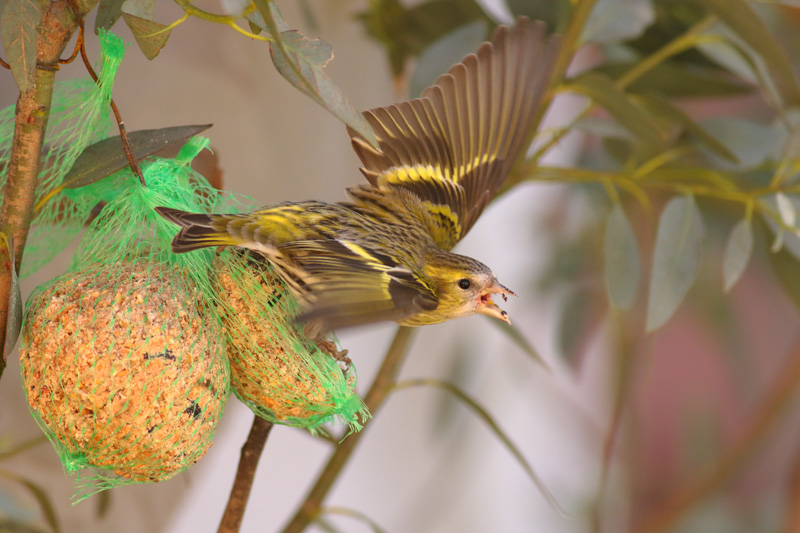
(792, 524)
(386, 378)
(625, 363)
(123, 132)
(733, 460)
(77, 49)
(21, 448)
(245, 473)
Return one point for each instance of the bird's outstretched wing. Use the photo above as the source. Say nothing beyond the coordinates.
(350, 285)
(454, 146)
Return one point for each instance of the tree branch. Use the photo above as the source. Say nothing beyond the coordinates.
(31, 116)
(243, 482)
(381, 386)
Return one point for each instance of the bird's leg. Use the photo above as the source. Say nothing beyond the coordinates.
(330, 348)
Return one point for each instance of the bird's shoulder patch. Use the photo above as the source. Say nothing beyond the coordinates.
(441, 199)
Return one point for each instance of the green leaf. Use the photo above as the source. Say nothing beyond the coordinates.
(553, 12)
(618, 20)
(753, 143)
(234, 7)
(786, 209)
(676, 260)
(406, 31)
(106, 157)
(255, 29)
(18, 28)
(602, 127)
(783, 239)
(256, 18)
(145, 9)
(787, 270)
(301, 62)
(442, 54)
(602, 91)
(14, 324)
(739, 16)
(108, 13)
(680, 81)
(622, 259)
(516, 336)
(664, 107)
(727, 50)
(484, 415)
(41, 497)
(737, 253)
(151, 36)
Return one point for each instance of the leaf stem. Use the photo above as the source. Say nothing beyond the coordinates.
(572, 36)
(21, 448)
(687, 40)
(251, 35)
(123, 133)
(356, 515)
(245, 473)
(194, 11)
(383, 383)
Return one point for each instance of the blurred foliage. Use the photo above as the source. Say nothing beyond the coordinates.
(406, 31)
(689, 104)
(15, 516)
(688, 118)
(644, 145)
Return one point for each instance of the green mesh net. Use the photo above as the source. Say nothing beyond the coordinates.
(78, 118)
(275, 370)
(127, 359)
(123, 359)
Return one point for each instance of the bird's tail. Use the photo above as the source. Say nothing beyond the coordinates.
(197, 230)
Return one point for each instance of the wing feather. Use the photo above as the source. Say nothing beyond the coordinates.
(456, 144)
(347, 285)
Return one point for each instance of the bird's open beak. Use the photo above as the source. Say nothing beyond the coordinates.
(487, 307)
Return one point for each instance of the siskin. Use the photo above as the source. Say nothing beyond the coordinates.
(385, 254)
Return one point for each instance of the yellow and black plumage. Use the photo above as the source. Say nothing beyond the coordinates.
(385, 254)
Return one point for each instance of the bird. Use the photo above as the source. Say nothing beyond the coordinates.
(385, 253)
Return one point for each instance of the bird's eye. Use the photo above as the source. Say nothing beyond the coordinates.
(464, 283)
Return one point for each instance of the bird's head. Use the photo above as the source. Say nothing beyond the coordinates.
(465, 286)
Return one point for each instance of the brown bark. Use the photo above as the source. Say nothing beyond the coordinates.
(32, 112)
(245, 473)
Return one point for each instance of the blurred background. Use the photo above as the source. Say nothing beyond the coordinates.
(688, 428)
